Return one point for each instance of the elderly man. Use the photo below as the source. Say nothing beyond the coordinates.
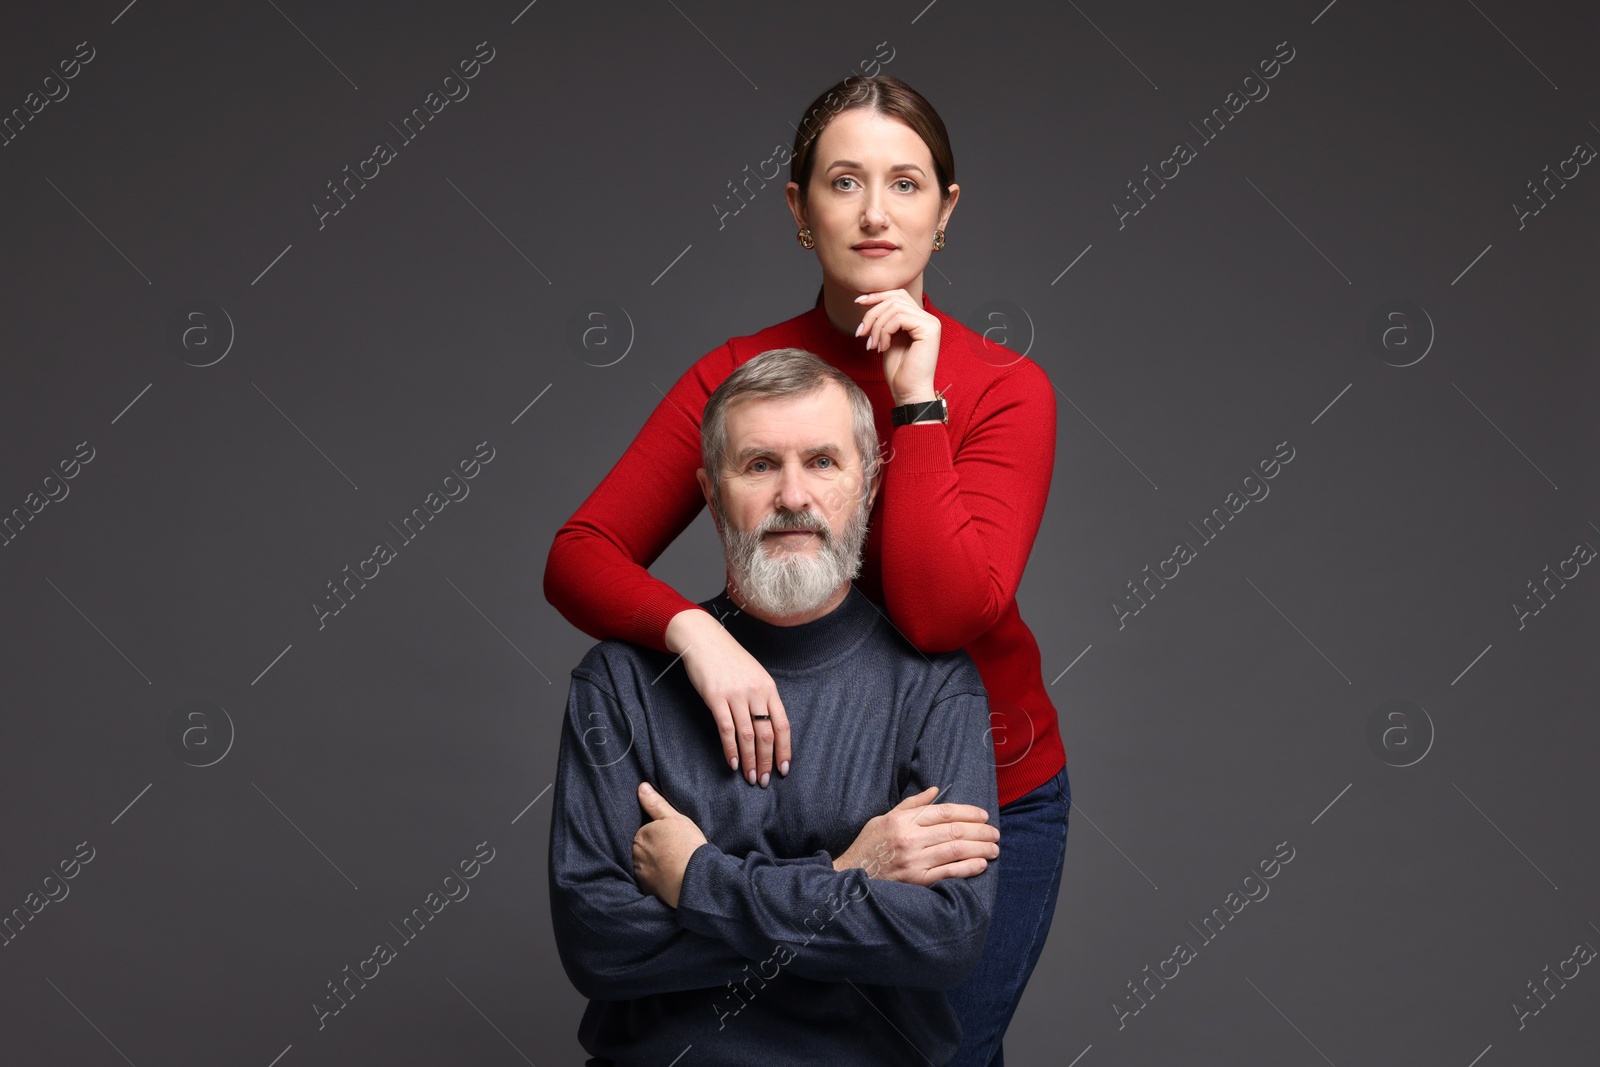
(711, 923)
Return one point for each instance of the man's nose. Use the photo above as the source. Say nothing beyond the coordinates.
(792, 492)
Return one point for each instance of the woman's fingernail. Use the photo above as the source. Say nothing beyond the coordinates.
(750, 776)
(859, 327)
(783, 768)
(765, 778)
(734, 762)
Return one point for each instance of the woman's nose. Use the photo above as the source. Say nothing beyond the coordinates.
(872, 212)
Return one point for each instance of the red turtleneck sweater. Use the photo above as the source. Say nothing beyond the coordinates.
(955, 519)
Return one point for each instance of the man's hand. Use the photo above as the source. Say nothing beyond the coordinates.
(919, 842)
(662, 847)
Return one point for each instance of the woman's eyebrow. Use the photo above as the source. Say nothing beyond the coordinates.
(853, 164)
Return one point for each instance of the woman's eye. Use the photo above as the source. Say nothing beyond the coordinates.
(838, 180)
(907, 181)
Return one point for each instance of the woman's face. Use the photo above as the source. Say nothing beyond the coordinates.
(872, 180)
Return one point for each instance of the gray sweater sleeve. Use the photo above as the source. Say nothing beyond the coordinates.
(843, 925)
(616, 942)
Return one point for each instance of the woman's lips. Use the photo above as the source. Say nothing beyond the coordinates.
(875, 253)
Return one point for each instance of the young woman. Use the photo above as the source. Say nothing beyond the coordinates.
(970, 433)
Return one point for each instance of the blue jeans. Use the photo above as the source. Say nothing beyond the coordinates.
(1033, 840)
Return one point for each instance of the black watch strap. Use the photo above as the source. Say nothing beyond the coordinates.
(906, 414)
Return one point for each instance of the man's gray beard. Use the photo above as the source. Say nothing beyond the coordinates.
(791, 583)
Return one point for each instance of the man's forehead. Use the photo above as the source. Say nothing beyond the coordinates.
(801, 422)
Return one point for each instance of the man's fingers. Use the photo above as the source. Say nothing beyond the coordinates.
(959, 869)
(956, 851)
(927, 836)
(936, 813)
(961, 857)
(918, 800)
(932, 845)
(655, 805)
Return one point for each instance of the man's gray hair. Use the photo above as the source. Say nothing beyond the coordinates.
(781, 373)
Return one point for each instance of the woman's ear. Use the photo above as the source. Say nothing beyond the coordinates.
(948, 208)
(791, 193)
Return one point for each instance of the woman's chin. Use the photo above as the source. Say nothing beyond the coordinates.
(873, 278)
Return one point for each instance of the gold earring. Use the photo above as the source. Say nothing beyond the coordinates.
(938, 240)
(805, 238)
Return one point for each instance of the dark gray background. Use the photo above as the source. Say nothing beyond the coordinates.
(1230, 715)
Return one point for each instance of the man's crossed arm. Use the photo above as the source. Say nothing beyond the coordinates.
(653, 908)
(916, 842)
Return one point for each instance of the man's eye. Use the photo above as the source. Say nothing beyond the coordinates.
(759, 467)
(825, 461)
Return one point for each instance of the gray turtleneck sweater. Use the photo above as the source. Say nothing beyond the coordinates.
(771, 956)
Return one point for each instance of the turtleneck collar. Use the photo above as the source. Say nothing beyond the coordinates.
(806, 647)
(840, 348)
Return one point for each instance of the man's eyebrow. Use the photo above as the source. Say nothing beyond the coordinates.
(750, 452)
(854, 165)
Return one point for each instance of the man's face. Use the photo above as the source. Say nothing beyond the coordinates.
(794, 504)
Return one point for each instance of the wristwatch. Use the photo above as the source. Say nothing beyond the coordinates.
(906, 414)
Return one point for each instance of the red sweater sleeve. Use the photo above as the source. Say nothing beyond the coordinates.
(959, 517)
(596, 573)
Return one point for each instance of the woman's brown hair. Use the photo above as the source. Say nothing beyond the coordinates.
(883, 95)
